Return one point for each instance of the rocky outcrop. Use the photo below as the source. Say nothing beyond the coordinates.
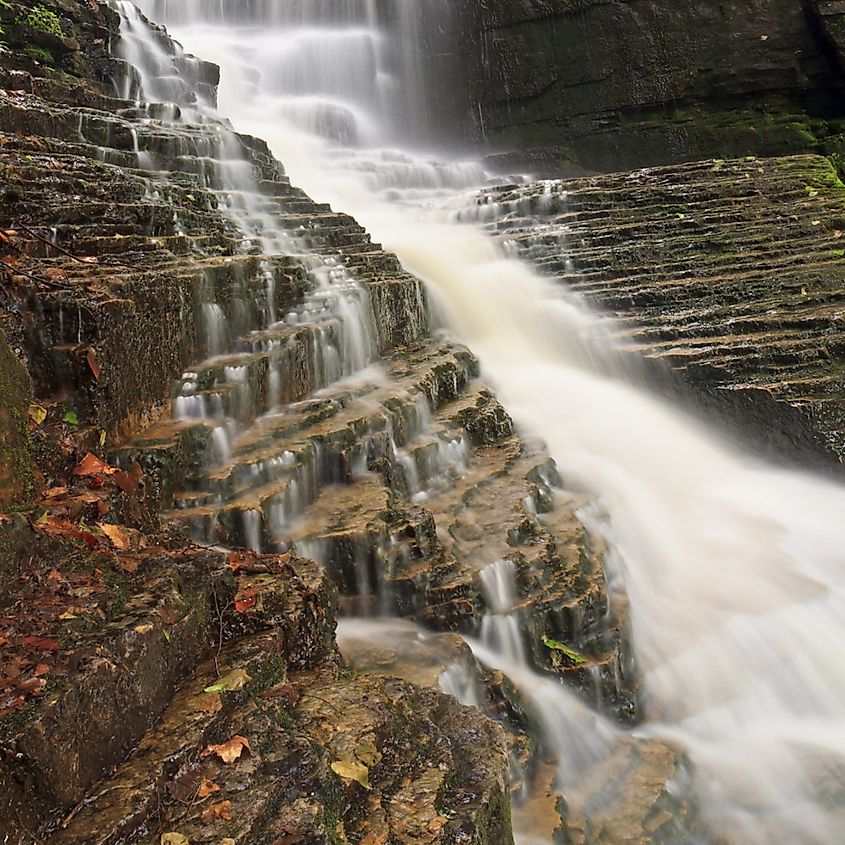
(729, 273)
(17, 469)
(174, 300)
(561, 87)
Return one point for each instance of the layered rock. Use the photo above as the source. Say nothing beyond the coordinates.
(187, 314)
(728, 272)
(563, 86)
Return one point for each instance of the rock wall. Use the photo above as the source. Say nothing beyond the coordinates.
(567, 86)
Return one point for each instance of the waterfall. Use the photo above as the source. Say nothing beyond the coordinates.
(735, 570)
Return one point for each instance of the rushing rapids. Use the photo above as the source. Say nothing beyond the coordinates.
(733, 569)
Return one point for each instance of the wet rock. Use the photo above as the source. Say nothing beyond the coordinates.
(561, 87)
(739, 297)
(17, 468)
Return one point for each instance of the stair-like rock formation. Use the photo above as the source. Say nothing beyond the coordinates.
(262, 374)
(729, 272)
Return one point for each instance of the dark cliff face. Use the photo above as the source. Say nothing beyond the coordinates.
(605, 84)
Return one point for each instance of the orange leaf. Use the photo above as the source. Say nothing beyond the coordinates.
(246, 600)
(54, 274)
(92, 465)
(229, 751)
(93, 363)
(43, 645)
(118, 537)
(206, 788)
(217, 811)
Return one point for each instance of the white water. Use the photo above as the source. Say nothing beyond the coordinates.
(734, 569)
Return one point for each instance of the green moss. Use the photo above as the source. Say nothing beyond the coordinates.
(40, 54)
(43, 19)
(562, 651)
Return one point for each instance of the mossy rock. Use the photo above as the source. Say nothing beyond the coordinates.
(17, 469)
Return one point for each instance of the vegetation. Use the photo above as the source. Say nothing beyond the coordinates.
(41, 18)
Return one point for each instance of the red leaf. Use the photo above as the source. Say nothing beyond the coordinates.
(93, 363)
(92, 465)
(246, 600)
(126, 482)
(43, 645)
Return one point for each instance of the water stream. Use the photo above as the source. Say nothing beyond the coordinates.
(735, 570)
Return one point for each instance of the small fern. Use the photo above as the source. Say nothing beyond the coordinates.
(44, 19)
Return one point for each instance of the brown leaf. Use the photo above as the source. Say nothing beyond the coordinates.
(41, 645)
(184, 788)
(246, 600)
(119, 537)
(129, 565)
(210, 704)
(41, 669)
(93, 363)
(284, 691)
(217, 811)
(352, 770)
(55, 492)
(126, 482)
(206, 788)
(229, 751)
(92, 465)
(54, 274)
(33, 685)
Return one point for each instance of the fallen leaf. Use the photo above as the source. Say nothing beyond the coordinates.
(67, 615)
(185, 787)
(54, 274)
(227, 841)
(174, 839)
(206, 788)
(41, 669)
(41, 644)
(37, 413)
(126, 482)
(143, 629)
(367, 753)
(210, 704)
(92, 465)
(229, 751)
(118, 536)
(93, 363)
(246, 600)
(283, 691)
(350, 770)
(436, 823)
(220, 810)
(71, 418)
(55, 492)
(33, 685)
(236, 679)
(90, 259)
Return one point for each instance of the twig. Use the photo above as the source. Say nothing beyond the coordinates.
(50, 243)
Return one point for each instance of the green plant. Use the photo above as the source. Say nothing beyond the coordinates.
(44, 19)
(39, 53)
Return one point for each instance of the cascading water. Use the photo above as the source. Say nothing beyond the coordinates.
(734, 569)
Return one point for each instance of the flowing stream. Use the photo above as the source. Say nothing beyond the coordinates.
(735, 570)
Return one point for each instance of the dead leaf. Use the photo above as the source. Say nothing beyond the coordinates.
(367, 753)
(237, 679)
(54, 274)
(128, 564)
(210, 704)
(126, 482)
(227, 841)
(93, 363)
(55, 492)
(92, 465)
(246, 600)
(174, 839)
(37, 413)
(119, 537)
(184, 788)
(33, 685)
(206, 788)
(284, 691)
(42, 645)
(350, 770)
(90, 259)
(220, 810)
(41, 669)
(436, 823)
(229, 751)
